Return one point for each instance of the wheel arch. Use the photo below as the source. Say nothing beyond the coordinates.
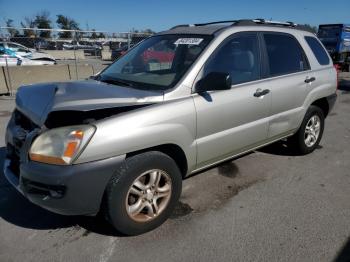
(322, 103)
(172, 150)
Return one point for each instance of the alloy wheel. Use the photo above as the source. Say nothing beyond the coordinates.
(148, 195)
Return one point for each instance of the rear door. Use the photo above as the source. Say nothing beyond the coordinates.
(288, 77)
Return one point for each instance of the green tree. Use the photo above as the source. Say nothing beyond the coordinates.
(310, 28)
(101, 35)
(148, 31)
(93, 35)
(13, 32)
(42, 20)
(66, 23)
(28, 23)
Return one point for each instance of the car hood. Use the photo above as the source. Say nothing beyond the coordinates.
(38, 100)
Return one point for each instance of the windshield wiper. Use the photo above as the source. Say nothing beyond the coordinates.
(116, 82)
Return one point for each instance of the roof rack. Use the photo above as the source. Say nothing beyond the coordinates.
(204, 24)
(259, 21)
(270, 22)
(218, 22)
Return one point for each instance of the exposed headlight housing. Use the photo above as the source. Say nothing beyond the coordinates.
(61, 146)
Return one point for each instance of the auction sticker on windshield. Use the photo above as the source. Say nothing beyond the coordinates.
(188, 41)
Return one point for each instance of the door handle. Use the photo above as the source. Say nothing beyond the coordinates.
(310, 80)
(259, 92)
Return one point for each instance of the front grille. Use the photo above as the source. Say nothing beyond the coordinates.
(23, 121)
(21, 126)
(54, 191)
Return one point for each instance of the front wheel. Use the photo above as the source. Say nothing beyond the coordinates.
(310, 132)
(143, 194)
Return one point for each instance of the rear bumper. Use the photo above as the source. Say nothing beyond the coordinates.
(67, 190)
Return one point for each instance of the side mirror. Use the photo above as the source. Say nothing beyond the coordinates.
(214, 81)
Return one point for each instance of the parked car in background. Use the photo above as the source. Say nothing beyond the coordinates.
(28, 54)
(88, 47)
(113, 44)
(12, 58)
(121, 143)
(118, 52)
(36, 43)
(8, 60)
(54, 45)
(30, 62)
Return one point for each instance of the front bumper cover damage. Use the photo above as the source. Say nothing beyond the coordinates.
(67, 190)
(75, 189)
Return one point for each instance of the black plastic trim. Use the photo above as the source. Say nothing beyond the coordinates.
(331, 99)
(75, 189)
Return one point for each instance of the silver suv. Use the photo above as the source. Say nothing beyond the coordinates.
(179, 102)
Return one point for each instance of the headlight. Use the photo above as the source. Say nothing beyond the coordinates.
(60, 146)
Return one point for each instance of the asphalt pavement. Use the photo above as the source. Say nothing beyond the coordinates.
(270, 205)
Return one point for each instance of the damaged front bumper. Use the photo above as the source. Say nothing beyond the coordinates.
(69, 190)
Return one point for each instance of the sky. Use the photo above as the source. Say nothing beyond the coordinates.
(123, 16)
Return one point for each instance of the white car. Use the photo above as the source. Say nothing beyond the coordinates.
(9, 60)
(27, 53)
(16, 60)
(25, 61)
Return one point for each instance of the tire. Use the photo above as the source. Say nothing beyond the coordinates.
(120, 200)
(299, 141)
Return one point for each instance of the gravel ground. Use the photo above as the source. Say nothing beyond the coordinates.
(266, 206)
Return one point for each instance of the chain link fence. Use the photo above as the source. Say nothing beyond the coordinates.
(57, 55)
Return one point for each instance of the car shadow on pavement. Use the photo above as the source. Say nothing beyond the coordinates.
(344, 254)
(281, 148)
(17, 210)
(344, 85)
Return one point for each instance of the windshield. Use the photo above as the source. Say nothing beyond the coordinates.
(156, 63)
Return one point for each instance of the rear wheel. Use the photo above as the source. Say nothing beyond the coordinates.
(310, 132)
(142, 195)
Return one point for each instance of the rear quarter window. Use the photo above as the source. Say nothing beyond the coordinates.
(318, 50)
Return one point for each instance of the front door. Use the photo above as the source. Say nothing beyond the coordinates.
(232, 121)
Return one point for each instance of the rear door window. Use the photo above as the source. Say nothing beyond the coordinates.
(284, 54)
(318, 50)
